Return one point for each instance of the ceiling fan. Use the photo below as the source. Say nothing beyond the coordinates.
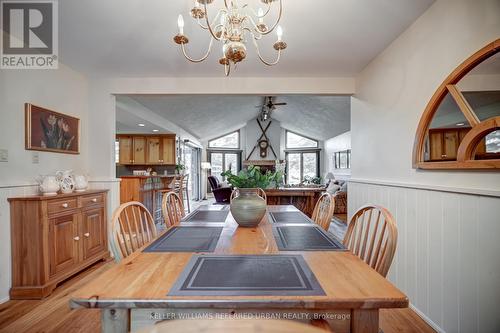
(267, 107)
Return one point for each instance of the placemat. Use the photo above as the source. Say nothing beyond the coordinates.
(246, 275)
(187, 239)
(289, 217)
(305, 238)
(217, 216)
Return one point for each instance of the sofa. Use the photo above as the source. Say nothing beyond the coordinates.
(221, 193)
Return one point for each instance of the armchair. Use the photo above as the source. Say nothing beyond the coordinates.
(222, 194)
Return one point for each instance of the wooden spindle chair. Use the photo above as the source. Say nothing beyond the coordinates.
(172, 208)
(133, 227)
(260, 192)
(323, 211)
(372, 235)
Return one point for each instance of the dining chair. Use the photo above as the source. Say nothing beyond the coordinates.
(323, 211)
(260, 192)
(233, 325)
(372, 235)
(172, 208)
(133, 227)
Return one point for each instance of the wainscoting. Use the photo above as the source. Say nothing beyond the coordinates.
(447, 259)
(7, 191)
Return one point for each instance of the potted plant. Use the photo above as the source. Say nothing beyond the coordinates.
(248, 207)
(179, 168)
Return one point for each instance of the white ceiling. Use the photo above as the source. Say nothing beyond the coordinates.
(134, 38)
(209, 116)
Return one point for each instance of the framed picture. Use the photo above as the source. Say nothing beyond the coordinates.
(47, 130)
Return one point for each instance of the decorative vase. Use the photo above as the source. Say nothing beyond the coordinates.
(66, 181)
(48, 185)
(81, 183)
(248, 208)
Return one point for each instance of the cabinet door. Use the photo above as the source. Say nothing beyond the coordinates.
(125, 146)
(154, 156)
(139, 150)
(450, 144)
(436, 146)
(94, 232)
(63, 243)
(168, 150)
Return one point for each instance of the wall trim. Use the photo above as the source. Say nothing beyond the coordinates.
(429, 187)
(23, 184)
(427, 319)
(5, 299)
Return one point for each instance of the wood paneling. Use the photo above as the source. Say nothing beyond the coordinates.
(47, 240)
(447, 254)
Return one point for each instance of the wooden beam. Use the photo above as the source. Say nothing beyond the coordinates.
(463, 105)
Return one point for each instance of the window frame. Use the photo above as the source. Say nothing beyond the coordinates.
(336, 159)
(302, 152)
(238, 153)
(209, 147)
(299, 148)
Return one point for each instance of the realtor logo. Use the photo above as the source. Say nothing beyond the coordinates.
(29, 34)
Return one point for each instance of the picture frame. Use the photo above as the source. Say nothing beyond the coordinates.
(51, 131)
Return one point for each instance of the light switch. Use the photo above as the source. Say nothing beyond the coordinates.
(4, 155)
(35, 158)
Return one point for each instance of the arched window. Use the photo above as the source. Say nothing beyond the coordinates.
(460, 127)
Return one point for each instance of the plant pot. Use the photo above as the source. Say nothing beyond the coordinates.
(248, 208)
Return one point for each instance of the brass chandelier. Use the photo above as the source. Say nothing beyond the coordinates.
(232, 25)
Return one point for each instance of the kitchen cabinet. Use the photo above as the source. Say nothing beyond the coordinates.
(444, 142)
(147, 149)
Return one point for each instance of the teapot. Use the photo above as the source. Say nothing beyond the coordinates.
(81, 183)
(66, 181)
(48, 185)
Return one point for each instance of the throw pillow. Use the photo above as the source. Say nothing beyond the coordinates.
(332, 188)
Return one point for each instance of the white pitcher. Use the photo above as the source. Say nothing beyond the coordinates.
(81, 183)
(66, 181)
(48, 185)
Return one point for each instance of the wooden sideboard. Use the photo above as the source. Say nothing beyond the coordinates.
(301, 197)
(54, 237)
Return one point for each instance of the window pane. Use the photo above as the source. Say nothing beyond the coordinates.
(310, 165)
(485, 104)
(293, 163)
(216, 163)
(343, 160)
(493, 142)
(227, 141)
(297, 141)
(231, 163)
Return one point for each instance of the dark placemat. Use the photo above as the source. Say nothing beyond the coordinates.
(289, 217)
(217, 216)
(305, 238)
(187, 239)
(246, 275)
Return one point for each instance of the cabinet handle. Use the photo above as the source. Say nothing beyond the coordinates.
(444, 155)
(87, 234)
(65, 205)
(76, 238)
(94, 200)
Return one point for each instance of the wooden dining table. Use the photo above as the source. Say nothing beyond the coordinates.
(134, 293)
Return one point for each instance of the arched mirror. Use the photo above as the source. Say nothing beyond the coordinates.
(460, 127)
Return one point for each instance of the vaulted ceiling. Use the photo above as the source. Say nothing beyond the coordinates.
(208, 116)
(134, 38)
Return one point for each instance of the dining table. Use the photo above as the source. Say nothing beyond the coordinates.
(144, 288)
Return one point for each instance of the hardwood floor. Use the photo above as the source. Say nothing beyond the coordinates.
(54, 315)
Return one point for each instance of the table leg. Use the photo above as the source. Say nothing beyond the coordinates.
(365, 321)
(115, 320)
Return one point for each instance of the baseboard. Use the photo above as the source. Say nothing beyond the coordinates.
(5, 299)
(427, 319)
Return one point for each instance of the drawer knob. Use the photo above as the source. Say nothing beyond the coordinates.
(65, 205)
(87, 234)
(76, 238)
(94, 200)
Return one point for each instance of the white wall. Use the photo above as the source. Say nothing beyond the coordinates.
(339, 143)
(252, 132)
(447, 259)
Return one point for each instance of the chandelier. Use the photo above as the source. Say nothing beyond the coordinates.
(233, 26)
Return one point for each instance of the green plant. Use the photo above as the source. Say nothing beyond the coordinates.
(312, 180)
(252, 177)
(179, 167)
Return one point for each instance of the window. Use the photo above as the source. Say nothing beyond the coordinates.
(342, 159)
(228, 141)
(294, 141)
(222, 161)
(301, 164)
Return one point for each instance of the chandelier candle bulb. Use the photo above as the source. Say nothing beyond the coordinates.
(260, 14)
(279, 32)
(180, 24)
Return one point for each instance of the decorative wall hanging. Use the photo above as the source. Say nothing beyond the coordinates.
(460, 127)
(47, 130)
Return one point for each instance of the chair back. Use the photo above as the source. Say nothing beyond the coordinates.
(260, 192)
(172, 209)
(133, 227)
(372, 235)
(214, 182)
(323, 211)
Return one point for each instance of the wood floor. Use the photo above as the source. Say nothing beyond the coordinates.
(54, 315)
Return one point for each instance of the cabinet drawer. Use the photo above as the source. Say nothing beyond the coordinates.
(57, 206)
(92, 200)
